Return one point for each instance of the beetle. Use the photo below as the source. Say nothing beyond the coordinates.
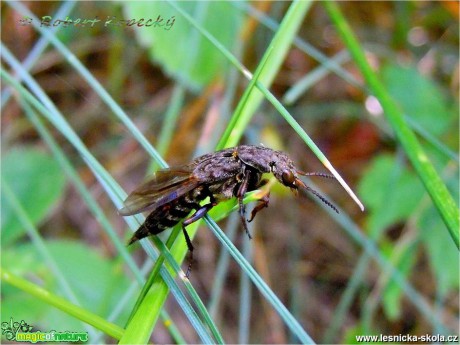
(171, 194)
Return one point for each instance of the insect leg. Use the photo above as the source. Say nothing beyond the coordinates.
(200, 213)
(263, 202)
(240, 195)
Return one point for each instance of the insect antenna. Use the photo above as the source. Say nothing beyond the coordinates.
(315, 174)
(322, 198)
(314, 192)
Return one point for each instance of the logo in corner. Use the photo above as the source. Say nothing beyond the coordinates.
(22, 332)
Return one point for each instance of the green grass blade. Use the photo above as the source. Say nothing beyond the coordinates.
(89, 200)
(272, 99)
(170, 119)
(81, 188)
(245, 300)
(370, 248)
(434, 185)
(98, 88)
(312, 78)
(222, 266)
(62, 304)
(112, 188)
(265, 72)
(40, 46)
(299, 43)
(333, 66)
(39, 244)
(271, 298)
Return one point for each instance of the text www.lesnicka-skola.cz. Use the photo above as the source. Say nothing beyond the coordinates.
(407, 338)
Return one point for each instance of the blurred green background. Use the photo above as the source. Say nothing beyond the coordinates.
(180, 92)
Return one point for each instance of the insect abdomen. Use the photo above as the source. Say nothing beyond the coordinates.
(169, 215)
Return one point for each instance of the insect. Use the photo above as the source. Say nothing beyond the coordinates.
(171, 194)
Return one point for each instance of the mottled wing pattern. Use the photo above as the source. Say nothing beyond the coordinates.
(165, 185)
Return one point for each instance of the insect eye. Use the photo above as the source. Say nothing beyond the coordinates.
(288, 178)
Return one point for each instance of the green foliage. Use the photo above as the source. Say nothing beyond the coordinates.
(38, 183)
(352, 332)
(98, 283)
(182, 51)
(390, 191)
(442, 253)
(404, 260)
(393, 193)
(419, 97)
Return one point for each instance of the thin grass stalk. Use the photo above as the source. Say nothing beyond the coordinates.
(345, 75)
(170, 119)
(371, 248)
(40, 245)
(356, 280)
(272, 99)
(312, 78)
(374, 299)
(92, 81)
(265, 72)
(80, 187)
(39, 47)
(245, 299)
(94, 209)
(222, 267)
(434, 185)
(112, 188)
(271, 298)
(62, 304)
(299, 43)
(358, 276)
(295, 245)
(431, 139)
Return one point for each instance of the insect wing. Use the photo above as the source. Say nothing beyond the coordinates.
(165, 186)
(164, 179)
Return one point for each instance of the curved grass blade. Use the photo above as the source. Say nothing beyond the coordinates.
(434, 185)
(333, 66)
(98, 214)
(289, 320)
(265, 73)
(93, 82)
(40, 46)
(80, 313)
(113, 189)
(40, 244)
(371, 249)
(277, 104)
